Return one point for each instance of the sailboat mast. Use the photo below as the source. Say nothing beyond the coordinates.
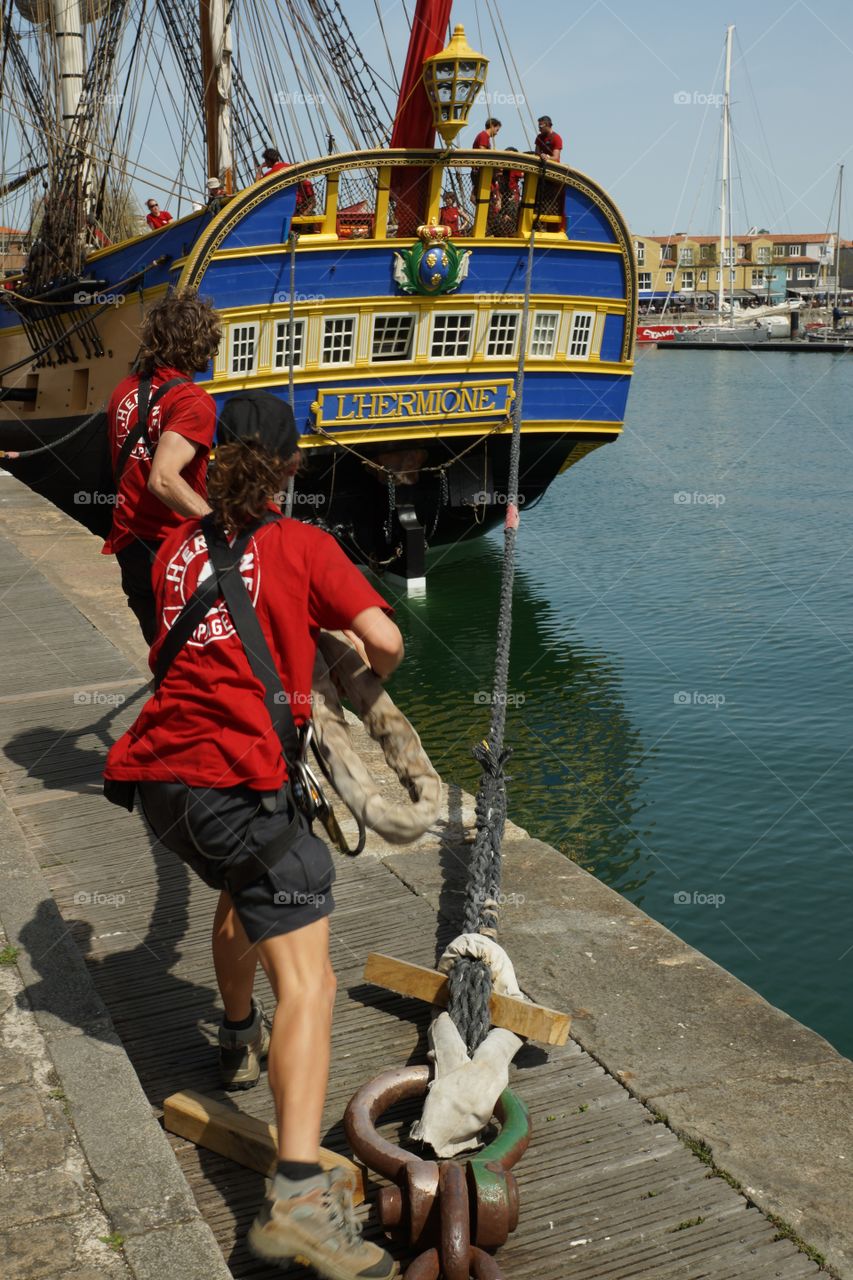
(215, 34)
(724, 179)
(838, 239)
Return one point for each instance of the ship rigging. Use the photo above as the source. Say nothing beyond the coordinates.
(379, 286)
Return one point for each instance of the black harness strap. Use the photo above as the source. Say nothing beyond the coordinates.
(195, 611)
(145, 402)
(226, 561)
(226, 582)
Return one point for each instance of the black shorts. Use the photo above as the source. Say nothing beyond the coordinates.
(211, 829)
(135, 561)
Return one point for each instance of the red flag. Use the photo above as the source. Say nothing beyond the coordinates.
(413, 124)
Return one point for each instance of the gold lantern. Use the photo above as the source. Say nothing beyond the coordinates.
(452, 80)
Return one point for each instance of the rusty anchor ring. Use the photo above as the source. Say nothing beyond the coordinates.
(452, 1211)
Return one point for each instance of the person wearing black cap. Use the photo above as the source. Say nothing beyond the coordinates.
(209, 767)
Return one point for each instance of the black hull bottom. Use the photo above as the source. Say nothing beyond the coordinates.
(371, 512)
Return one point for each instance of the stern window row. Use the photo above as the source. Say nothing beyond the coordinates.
(451, 338)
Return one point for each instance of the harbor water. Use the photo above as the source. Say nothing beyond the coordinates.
(681, 696)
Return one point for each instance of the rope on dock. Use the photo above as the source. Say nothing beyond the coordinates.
(470, 982)
(14, 454)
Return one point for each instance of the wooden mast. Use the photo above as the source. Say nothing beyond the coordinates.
(215, 35)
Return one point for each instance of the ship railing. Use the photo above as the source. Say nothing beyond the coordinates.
(498, 195)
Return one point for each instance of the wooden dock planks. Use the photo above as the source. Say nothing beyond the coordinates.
(605, 1189)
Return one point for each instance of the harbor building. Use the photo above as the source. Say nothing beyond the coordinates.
(761, 265)
(13, 249)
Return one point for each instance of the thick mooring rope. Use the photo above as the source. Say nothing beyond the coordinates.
(14, 454)
(470, 983)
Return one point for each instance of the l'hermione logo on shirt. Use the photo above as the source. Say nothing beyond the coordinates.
(188, 568)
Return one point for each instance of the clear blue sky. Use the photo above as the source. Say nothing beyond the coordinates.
(607, 71)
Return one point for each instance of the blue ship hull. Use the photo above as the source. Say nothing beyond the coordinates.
(403, 397)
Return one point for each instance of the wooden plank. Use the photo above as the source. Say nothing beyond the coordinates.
(239, 1137)
(534, 1021)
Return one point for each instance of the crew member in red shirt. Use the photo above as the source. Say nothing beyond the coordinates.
(162, 477)
(449, 213)
(485, 139)
(156, 217)
(211, 776)
(548, 143)
(305, 197)
(271, 162)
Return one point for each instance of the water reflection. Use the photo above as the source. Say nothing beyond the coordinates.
(577, 765)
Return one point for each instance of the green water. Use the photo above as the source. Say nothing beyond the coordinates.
(681, 687)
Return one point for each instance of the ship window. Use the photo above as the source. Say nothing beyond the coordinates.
(338, 340)
(281, 350)
(244, 346)
(503, 334)
(581, 335)
(392, 337)
(543, 335)
(451, 334)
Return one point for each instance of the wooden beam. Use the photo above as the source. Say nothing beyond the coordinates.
(239, 1137)
(534, 1021)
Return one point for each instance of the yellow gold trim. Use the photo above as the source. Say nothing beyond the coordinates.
(411, 302)
(580, 452)
(443, 432)
(230, 215)
(311, 245)
(316, 374)
(474, 390)
(144, 236)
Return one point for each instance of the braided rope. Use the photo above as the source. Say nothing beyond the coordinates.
(48, 448)
(470, 984)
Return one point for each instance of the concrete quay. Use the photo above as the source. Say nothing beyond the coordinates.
(690, 1129)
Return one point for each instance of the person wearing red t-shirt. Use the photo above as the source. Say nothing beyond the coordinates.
(156, 217)
(552, 198)
(449, 214)
(211, 777)
(485, 139)
(548, 143)
(505, 201)
(273, 163)
(162, 479)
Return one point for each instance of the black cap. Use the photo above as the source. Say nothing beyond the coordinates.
(259, 416)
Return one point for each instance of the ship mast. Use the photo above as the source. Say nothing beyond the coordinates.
(724, 180)
(838, 239)
(68, 34)
(215, 29)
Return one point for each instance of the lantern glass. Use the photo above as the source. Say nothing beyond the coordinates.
(452, 79)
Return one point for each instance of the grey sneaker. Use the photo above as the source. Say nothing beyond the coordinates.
(319, 1229)
(241, 1052)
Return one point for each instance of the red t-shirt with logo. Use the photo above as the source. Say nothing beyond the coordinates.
(157, 220)
(547, 145)
(449, 217)
(483, 140)
(207, 725)
(186, 409)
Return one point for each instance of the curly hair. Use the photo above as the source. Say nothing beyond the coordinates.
(182, 331)
(243, 479)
